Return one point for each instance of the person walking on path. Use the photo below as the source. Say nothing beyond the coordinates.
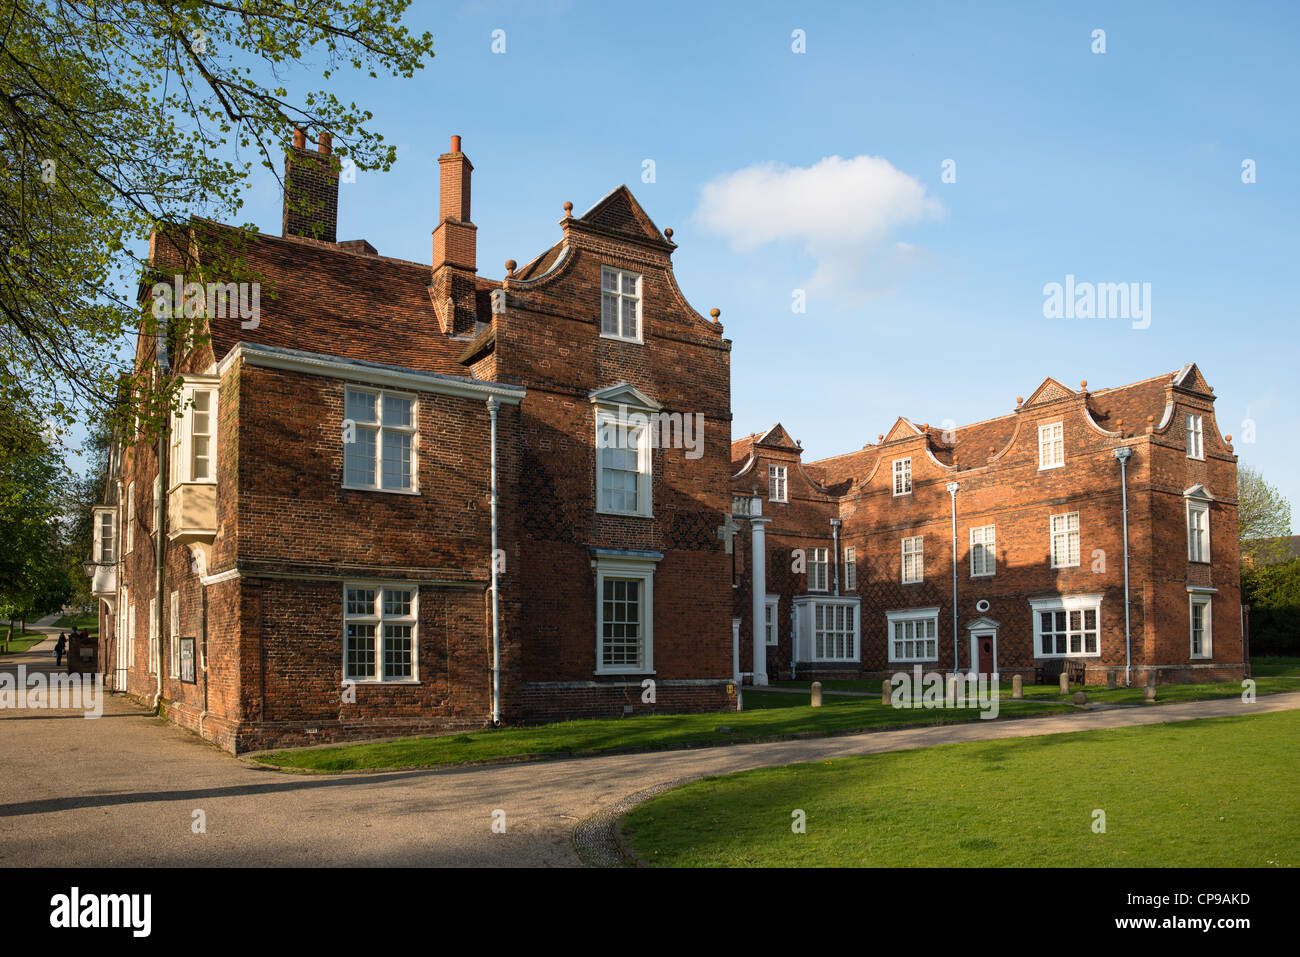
(59, 647)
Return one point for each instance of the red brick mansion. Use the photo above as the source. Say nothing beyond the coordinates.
(408, 498)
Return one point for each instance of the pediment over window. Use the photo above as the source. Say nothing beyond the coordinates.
(1198, 492)
(624, 394)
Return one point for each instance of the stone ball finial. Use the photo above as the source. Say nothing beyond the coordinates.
(881, 437)
(1228, 438)
(715, 312)
(669, 232)
(1084, 384)
(511, 266)
(1020, 400)
(568, 209)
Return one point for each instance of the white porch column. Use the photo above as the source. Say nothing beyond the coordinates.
(759, 561)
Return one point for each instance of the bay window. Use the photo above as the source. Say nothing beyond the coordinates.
(913, 634)
(1067, 626)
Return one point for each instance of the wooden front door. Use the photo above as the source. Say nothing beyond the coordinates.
(984, 648)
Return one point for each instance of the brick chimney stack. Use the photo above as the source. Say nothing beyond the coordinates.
(455, 245)
(311, 189)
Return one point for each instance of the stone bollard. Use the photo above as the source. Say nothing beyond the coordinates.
(1017, 686)
(1149, 693)
(816, 694)
(886, 690)
(1112, 681)
(1065, 682)
(1080, 698)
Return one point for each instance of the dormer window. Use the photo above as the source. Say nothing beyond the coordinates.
(1195, 437)
(903, 476)
(776, 483)
(1051, 445)
(620, 304)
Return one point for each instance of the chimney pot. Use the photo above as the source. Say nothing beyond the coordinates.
(455, 144)
(324, 142)
(299, 137)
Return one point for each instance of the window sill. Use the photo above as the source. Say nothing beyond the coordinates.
(982, 574)
(637, 341)
(634, 673)
(377, 682)
(601, 511)
(914, 661)
(1038, 656)
(1075, 565)
(1048, 468)
(387, 491)
(919, 581)
(901, 494)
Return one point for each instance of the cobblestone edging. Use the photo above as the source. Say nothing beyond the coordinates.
(598, 841)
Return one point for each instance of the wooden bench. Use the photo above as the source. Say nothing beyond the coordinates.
(1049, 672)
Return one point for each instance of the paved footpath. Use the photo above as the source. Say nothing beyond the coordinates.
(123, 789)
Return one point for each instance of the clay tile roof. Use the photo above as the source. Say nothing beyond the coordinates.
(318, 297)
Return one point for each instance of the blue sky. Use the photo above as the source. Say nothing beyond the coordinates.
(1117, 167)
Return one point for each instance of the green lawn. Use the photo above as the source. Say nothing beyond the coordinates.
(89, 621)
(1211, 793)
(1261, 667)
(766, 715)
(22, 641)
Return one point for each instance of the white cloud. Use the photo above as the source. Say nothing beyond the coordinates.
(843, 212)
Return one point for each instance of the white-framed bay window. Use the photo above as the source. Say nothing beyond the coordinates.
(1198, 523)
(380, 444)
(624, 611)
(819, 563)
(194, 433)
(983, 550)
(913, 559)
(826, 628)
(1067, 626)
(1064, 534)
(913, 634)
(381, 632)
(1051, 445)
(620, 304)
(105, 546)
(1199, 622)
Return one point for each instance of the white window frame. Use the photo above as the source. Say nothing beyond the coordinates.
(903, 471)
(611, 426)
(1066, 604)
(377, 618)
(1051, 446)
(819, 566)
(1195, 428)
(182, 469)
(129, 534)
(174, 633)
(843, 634)
(913, 546)
(776, 483)
(153, 635)
(1198, 538)
(1072, 538)
(850, 567)
(1203, 600)
(771, 624)
(641, 569)
(105, 554)
(983, 551)
(913, 616)
(620, 297)
(379, 428)
(128, 626)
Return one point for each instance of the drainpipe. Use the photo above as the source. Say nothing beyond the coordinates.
(160, 554)
(952, 495)
(835, 539)
(1124, 453)
(492, 406)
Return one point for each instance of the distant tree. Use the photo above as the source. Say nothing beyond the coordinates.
(1273, 594)
(1263, 518)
